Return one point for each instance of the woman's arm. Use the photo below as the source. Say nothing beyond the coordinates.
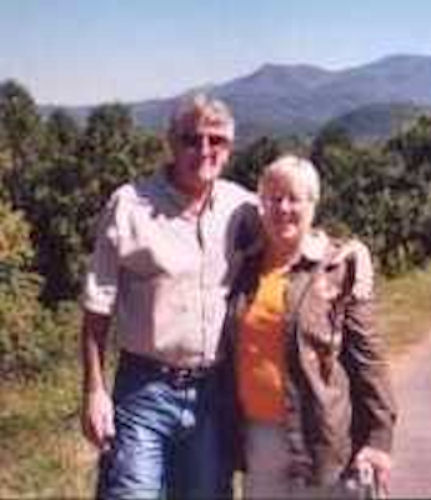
(365, 359)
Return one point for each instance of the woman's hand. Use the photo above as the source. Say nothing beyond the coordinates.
(380, 462)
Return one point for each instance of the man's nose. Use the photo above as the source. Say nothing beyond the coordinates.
(204, 145)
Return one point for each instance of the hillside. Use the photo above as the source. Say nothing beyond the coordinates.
(285, 99)
(379, 121)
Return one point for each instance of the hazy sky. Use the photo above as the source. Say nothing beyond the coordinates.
(89, 51)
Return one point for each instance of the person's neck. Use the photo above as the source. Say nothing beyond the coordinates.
(197, 201)
(196, 198)
(277, 256)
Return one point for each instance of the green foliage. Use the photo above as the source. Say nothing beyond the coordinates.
(31, 338)
(55, 211)
(247, 165)
(15, 247)
(414, 145)
(112, 152)
(21, 135)
(383, 195)
(61, 136)
(56, 176)
(20, 120)
(69, 180)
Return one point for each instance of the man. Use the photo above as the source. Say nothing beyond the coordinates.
(164, 258)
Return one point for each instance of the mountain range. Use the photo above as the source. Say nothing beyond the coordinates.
(282, 100)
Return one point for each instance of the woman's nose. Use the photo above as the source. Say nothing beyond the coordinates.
(286, 204)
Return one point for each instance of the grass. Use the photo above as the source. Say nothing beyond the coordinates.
(43, 454)
(403, 309)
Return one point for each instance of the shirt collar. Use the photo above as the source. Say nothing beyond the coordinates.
(178, 198)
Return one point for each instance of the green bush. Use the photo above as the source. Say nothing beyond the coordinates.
(32, 337)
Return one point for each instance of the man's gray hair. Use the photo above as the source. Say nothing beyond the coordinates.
(201, 108)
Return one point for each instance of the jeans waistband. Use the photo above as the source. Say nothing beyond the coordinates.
(174, 375)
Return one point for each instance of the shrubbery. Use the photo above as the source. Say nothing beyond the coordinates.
(33, 338)
(55, 175)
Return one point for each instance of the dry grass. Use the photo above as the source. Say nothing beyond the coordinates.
(403, 309)
(42, 452)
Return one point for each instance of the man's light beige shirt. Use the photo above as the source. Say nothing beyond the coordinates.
(166, 274)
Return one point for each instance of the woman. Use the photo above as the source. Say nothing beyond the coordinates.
(312, 379)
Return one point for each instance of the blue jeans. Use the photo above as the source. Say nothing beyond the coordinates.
(171, 440)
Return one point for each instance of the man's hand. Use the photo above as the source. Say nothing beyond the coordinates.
(97, 418)
(380, 461)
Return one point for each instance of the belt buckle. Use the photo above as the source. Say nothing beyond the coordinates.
(182, 376)
(178, 377)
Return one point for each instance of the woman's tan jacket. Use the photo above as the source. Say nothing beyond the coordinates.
(338, 394)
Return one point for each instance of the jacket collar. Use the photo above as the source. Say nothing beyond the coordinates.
(314, 246)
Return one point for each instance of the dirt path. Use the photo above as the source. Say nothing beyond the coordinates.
(411, 477)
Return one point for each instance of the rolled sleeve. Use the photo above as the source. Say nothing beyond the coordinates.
(101, 280)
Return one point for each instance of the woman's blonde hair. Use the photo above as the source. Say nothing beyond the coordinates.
(290, 166)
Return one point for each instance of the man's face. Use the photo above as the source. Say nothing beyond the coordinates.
(200, 151)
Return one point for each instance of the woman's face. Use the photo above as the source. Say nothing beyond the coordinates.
(287, 209)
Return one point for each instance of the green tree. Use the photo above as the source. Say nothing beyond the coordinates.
(247, 165)
(69, 187)
(112, 152)
(33, 339)
(413, 149)
(62, 135)
(21, 136)
(381, 194)
(19, 289)
(56, 205)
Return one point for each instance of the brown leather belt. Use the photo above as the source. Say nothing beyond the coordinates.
(174, 375)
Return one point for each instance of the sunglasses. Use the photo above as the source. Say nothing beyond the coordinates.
(196, 140)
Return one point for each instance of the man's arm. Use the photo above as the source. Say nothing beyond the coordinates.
(98, 299)
(97, 417)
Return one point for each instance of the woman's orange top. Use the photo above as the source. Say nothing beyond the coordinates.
(261, 360)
